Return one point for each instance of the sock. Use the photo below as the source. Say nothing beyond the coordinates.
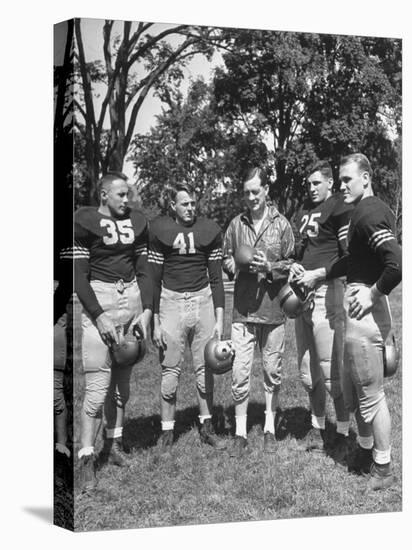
(167, 425)
(342, 427)
(381, 457)
(241, 425)
(85, 451)
(63, 449)
(269, 422)
(114, 432)
(203, 417)
(365, 442)
(318, 422)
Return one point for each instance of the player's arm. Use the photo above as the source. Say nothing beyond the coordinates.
(144, 280)
(382, 241)
(214, 267)
(84, 291)
(64, 289)
(228, 262)
(155, 264)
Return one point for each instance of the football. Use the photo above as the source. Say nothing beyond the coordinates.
(244, 256)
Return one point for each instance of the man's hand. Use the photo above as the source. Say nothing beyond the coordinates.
(144, 321)
(309, 279)
(362, 300)
(159, 337)
(296, 271)
(218, 328)
(260, 263)
(107, 329)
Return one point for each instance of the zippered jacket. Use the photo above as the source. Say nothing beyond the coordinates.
(255, 294)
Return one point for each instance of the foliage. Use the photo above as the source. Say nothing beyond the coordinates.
(135, 60)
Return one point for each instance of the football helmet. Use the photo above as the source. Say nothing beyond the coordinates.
(294, 300)
(219, 355)
(243, 256)
(131, 348)
(390, 356)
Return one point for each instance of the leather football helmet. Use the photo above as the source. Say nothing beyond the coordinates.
(390, 357)
(131, 349)
(219, 355)
(294, 300)
(243, 256)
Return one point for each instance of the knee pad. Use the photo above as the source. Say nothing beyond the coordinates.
(368, 407)
(168, 386)
(93, 403)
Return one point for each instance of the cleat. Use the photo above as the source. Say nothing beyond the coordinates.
(381, 476)
(313, 442)
(208, 436)
(113, 452)
(88, 481)
(238, 447)
(361, 462)
(269, 443)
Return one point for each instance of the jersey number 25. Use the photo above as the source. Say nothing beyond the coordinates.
(310, 224)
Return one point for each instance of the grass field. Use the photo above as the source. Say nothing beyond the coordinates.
(196, 484)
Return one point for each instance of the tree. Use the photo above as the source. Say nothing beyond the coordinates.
(135, 61)
(319, 96)
(190, 144)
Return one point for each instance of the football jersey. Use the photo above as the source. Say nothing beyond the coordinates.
(109, 249)
(186, 258)
(374, 253)
(322, 232)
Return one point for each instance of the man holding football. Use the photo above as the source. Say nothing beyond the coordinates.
(322, 225)
(373, 267)
(185, 254)
(257, 316)
(110, 252)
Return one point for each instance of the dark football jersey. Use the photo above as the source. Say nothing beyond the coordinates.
(186, 258)
(322, 232)
(108, 249)
(374, 253)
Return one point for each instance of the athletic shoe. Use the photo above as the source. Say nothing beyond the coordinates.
(361, 462)
(238, 447)
(269, 443)
(381, 476)
(208, 436)
(313, 442)
(87, 477)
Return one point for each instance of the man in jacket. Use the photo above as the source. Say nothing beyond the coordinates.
(257, 316)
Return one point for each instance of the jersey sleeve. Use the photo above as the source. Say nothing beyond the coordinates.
(378, 232)
(143, 276)
(228, 249)
(81, 257)
(214, 267)
(155, 265)
(338, 267)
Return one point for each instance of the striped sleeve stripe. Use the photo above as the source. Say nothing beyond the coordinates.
(155, 258)
(380, 237)
(343, 232)
(141, 250)
(214, 257)
(74, 253)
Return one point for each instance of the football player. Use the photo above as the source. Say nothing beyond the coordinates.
(110, 252)
(322, 224)
(373, 267)
(257, 316)
(185, 253)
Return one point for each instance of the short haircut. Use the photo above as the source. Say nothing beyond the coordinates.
(186, 187)
(108, 179)
(322, 166)
(259, 172)
(361, 160)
